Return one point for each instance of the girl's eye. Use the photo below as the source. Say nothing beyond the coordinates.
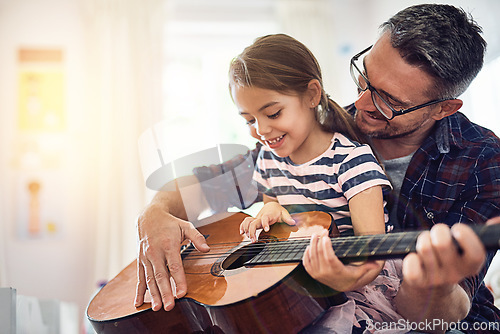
(250, 122)
(275, 115)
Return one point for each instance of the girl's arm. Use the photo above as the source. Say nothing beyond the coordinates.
(367, 211)
(367, 216)
(271, 213)
(320, 261)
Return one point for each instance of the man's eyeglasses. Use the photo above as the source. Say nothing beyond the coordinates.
(385, 108)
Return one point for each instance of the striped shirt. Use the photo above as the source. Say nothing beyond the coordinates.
(326, 183)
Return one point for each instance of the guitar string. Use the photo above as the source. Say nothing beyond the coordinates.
(251, 248)
(272, 246)
(284, 247)
(278, 242)
(285, 242)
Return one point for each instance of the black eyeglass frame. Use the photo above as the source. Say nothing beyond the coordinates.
(373, 90)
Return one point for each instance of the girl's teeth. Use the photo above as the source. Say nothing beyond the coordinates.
(275, 140)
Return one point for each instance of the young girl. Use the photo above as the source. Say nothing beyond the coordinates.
(312, 159)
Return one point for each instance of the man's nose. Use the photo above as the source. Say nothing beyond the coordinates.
(364, 101)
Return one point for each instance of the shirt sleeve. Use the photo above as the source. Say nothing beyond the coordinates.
(359, 171)
(230, 184)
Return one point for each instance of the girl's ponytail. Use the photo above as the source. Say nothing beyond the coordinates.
(334, 118)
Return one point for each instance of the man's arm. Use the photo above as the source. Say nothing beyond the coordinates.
(431, 276)
(162, 227)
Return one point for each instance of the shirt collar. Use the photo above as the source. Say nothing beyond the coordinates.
(447, 133)
(442, 136)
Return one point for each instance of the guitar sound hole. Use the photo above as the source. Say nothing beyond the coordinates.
(238, 258)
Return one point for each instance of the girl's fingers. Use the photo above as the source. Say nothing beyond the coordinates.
(265, 223)
(252, 229)
(244, 225)
(287, 218)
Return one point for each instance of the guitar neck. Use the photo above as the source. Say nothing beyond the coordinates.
(374, 247)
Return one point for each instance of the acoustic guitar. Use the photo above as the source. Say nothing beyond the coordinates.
(244, 287)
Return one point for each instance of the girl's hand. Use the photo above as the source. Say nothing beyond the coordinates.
(323, 265)
(271, 213)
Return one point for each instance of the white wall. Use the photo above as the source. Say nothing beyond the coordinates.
(58, 266)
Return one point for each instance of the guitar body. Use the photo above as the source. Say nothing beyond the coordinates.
(224, 295)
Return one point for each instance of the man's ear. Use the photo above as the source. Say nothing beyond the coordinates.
(448, 107)
(314, 92)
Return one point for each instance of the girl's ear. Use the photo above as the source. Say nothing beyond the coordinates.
(448, 107)
(314, 90)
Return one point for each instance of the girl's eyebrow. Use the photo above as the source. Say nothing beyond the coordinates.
(265, 106)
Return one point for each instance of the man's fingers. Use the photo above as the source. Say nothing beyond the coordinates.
(473, 251)
(412, 270)
(444, 256)
(141, 285)
(164, 288)
(428, 258)
(197, 239)
(494, 220)
(151, 282)
(176, 271)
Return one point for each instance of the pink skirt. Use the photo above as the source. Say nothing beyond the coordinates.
(369, 309)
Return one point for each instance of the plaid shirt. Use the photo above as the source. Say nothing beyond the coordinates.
(454, 177)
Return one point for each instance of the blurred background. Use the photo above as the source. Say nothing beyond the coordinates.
(80, 80)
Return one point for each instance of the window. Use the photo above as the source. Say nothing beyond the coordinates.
(201, 38)
(482, 101)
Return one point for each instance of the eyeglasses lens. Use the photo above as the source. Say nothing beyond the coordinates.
(363, 85)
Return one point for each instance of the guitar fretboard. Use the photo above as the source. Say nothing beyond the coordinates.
(375, 247)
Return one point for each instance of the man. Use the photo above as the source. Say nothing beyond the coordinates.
(408, 82)
(444, 168)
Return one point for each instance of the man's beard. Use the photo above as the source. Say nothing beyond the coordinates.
(387, 135)
(388, 132)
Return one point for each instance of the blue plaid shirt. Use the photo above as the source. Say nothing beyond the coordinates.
(454, 177)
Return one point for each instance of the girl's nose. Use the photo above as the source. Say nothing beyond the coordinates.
(262, 127)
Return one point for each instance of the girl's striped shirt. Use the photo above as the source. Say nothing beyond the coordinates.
(326, 183)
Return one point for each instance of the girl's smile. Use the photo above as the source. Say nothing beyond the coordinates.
(275, 143)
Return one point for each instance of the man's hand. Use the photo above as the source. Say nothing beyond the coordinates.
(159, 264)
(431, 276)
(438, 261)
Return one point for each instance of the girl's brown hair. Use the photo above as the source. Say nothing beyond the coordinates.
(283, 64)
